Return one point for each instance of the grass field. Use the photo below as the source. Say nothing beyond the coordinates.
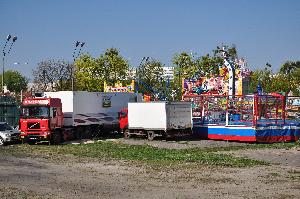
(106, 150)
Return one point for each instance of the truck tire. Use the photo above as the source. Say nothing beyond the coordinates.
(126, 134)
(150, 135)
(95, 131)
(87, 132)
(1, 142)
(31, 142)
(77, 133)
(56, 138)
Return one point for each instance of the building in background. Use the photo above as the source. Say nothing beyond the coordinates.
(168, 73)
(131, 73)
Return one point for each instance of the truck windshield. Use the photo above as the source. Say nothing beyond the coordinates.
(35, 112)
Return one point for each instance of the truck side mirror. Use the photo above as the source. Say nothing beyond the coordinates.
(123, 114)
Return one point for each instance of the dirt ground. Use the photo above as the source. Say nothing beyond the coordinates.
(28, 177)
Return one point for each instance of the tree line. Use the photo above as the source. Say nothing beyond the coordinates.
(89, 73)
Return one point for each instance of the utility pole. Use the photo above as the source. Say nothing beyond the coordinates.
(76, 53)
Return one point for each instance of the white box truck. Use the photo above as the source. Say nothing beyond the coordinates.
(153, 119)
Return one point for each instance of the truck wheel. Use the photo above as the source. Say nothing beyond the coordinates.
(150, 135)
(56, 138)
(78, 132)
(87, 133)
(31, 142)
(1, 142)
(126, 134)
(77, 135)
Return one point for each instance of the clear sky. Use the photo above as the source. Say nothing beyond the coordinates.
(263, 30)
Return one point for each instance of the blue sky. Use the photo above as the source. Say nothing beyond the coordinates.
(263, 30)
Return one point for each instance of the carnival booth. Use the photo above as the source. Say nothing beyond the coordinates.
(251, 118)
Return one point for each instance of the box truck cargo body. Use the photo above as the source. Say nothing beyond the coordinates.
(159, 119)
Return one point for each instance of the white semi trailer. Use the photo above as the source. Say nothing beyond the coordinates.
(153, 119)
(91, 113)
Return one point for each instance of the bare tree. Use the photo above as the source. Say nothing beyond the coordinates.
(52, 75)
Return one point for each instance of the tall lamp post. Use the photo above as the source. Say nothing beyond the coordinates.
(76, 53)
(5, 52)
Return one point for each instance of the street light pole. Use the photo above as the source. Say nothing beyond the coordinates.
(14, 38)
(2, 81)
(80, 44)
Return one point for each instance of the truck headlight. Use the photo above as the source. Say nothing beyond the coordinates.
(7, 134)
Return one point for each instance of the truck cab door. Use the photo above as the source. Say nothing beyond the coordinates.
(56, 117)
(59, 117)
(123, 118)
(53, 118)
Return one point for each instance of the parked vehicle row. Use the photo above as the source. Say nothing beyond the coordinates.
(54, 117)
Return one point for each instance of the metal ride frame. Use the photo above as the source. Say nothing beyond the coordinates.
(250, 118)
(243, 110)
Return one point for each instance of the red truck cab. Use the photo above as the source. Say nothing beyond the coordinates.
(41, 119)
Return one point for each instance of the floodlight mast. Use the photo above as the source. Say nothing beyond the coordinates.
(6, 52)
(78, 47)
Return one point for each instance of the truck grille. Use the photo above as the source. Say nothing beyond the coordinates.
(33, 137)
(33, 125)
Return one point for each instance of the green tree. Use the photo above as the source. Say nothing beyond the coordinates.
(265, 77)
(208, 66)
(15, 81)
(150, 80)
(115, 65)
(184, 67)
(291, 74)
(91, 73)
(230, 52)
(278, 83)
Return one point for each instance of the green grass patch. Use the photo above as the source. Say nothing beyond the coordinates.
(146, 154)
(141, 153)
(281, 145)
